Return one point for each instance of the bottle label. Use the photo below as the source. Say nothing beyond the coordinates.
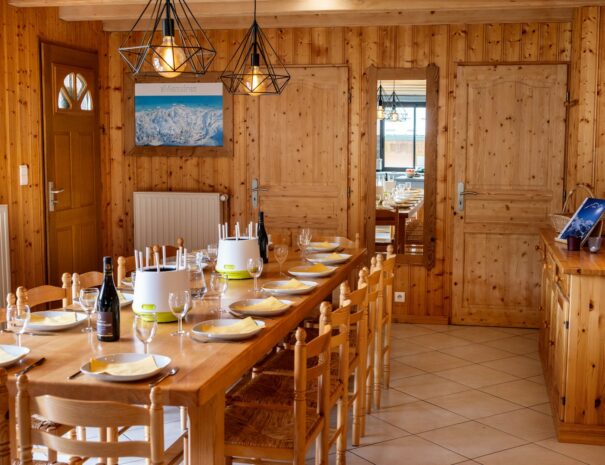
(105, 324)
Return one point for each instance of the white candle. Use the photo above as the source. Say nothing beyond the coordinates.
(147, 255)
(185, 259)
(156, 257)
(136, 260)
(163, 255)
(220, 235)
(141, 259)
(237, 230)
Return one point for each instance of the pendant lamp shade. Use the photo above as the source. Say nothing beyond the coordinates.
(173, 42)
(255, 68)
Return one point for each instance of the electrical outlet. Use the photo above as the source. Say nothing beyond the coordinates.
(400, 297)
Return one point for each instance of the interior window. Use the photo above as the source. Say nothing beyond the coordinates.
(74, 91)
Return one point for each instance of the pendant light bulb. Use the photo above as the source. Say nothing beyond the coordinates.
(394, 115)
(255, 82)
(169, 58)
(380, 112)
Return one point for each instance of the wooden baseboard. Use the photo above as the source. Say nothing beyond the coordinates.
(421, 319)
(580, 434)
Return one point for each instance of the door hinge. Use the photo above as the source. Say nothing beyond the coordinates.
(569, 102)
(566, 324)
(563, 400)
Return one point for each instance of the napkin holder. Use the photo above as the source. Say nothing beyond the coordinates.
(233, 255)
(152, 289)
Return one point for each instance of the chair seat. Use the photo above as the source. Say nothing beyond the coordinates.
(275, 391)
(38, 462)
(42, 424)
(260, 427)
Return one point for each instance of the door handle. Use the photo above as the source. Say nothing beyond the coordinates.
(461, 194)
(57, 191)
(255, 189)
(51, 196)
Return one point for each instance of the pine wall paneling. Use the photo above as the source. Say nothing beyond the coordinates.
(21, 126)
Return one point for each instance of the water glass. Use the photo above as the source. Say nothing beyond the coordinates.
(17, 317)
(303, 243)
(180, 304)
(144, 328)
(281, 254)
(197, 283)
(255, 268)
(212, 251)
(88, 301)
(218, 285)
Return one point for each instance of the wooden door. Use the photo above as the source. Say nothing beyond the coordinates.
(509, 160)
(303, 150)
(71, 160)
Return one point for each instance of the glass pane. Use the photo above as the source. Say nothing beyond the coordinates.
(80, 84)
(69, 84)
(86, 102)
(63, 102)
(399, 141)
(420, 135)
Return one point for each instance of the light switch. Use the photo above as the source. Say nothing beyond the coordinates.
(23, 175)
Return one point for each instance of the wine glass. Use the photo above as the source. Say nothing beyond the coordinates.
(218, 284)
(255, 268)
(212, 251)
(145, 327)
(281, 254)
(88, 301)
(303, 242)
(180, 304)
(17, 317)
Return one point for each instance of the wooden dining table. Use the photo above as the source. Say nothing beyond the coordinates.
(206, 370)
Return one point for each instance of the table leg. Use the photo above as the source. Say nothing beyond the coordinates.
(5, 440)
(207, 432)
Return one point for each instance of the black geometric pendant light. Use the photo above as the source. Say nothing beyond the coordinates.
(175, 45)
(255, 68)
(380, 107)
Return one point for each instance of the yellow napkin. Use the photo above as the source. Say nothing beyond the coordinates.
(246, 325)
(5, 356)
(270, 303)
(322, 245)
(293, 284)
(139, 367)
(69, 317)
(317, 268)
(334, 256)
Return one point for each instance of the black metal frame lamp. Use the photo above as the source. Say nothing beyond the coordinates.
(184, 47)
(380, 108)
(393, 115)
(255, 68)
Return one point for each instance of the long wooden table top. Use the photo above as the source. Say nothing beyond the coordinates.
(204, 368)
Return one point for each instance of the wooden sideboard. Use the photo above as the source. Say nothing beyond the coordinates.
(572, 339)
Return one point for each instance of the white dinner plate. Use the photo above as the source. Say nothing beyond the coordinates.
(128, 299)
(199, 334)
(275, 287)
(321, 247)
(299, 272)
(327, 259)
(16, 352)
(161, 362)
(259, 311)
(78, 318)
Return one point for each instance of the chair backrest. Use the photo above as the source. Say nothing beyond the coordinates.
(371, 283)
(358, 316)
(84, 280)
(311, 362)
(98, 414)
(46, 294)
(342, 241)
(339, 342)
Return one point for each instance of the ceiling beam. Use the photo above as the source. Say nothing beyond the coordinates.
(353, 19)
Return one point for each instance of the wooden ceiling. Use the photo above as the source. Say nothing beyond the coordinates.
(118, 15)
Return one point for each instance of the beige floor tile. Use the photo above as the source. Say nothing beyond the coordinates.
(410, 450)
(544, 408)
(533, 336)
(521, 392)
(393, 397)
(477, 376)
(402, 330)
(439, 328)
(517, 345)
(518, 331)
(351, 459)
(477, 333)
(592, 455)
(473, 404)
(439, 340)
(533, 355)
(477, 353)
(529, 454)
(525, 424)
(377, 431)
(472, 439)
(523, 367)
(428, 385)
(403, 347)
(537, 379)
(417, 417)
(432, 361)
(401, 370)
(467, 462)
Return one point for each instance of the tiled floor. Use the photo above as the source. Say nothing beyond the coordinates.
(461, 395)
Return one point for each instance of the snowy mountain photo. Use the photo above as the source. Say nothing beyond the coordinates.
(585, 219)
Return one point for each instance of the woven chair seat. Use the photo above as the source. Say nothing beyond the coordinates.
(42, 424)
(259, 427)
(282, 362)
(275, 391)
(38, 462)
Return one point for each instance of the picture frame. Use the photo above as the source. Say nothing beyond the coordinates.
(584, 220)
(131, 147)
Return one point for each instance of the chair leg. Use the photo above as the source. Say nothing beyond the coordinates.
(358, 406)
(184, 426)
(341, 442)
(369, 376)
(112, 436)
(387, 365)
(378, 346)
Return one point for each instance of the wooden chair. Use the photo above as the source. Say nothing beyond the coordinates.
(107, 416)
(260, 432)
(358, 320)
(342, 241)
(45, 294)
(389, 218)
(83, 281)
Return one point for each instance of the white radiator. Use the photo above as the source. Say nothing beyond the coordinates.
(162, 217)
(5, 258)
